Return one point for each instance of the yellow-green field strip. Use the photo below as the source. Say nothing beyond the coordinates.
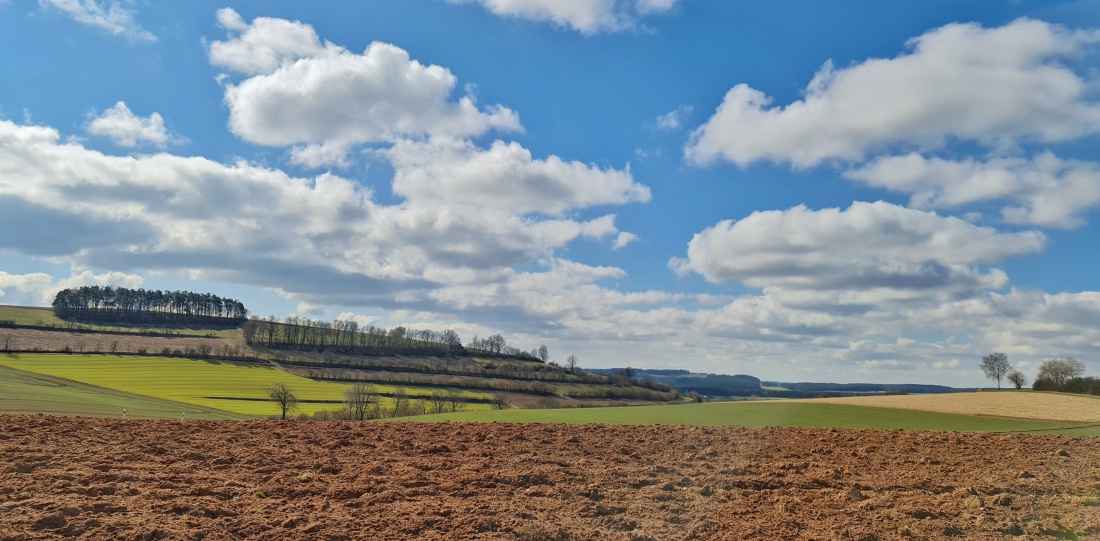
(24, 393)
(230, 386)
(772, 413)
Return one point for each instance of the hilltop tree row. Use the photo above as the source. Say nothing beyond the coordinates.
(1063, 375)
(107, 303)
(347, 335)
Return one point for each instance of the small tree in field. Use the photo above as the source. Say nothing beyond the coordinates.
(571, 363)
(1017, 378)
(360, 397)
(995, 366)
(283, 396)
(400, 402)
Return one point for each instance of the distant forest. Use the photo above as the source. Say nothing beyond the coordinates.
(119, 304)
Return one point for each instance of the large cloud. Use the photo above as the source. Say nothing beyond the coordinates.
(326, 98)
(995, 86)
(316, 236)
(586, 16)
(870, 247)
(1045, 191)
(505, 177)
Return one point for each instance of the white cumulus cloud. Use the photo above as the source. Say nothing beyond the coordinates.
(1044, 191)
(112, 17)
(585, 16)
(867, 247)
(995, 86)
(505, 177)
(39, 289)
(129, 130)
(325, 98)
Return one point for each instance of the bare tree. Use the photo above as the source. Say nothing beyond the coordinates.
(496, 343)
(544, 353)
(454, 399)
(437, 403)
(1017, 378)
(571, 363)
(995, 366)
(360, 397)
(400, 402)
(1055, 373)
(7, 342)
(283, 396)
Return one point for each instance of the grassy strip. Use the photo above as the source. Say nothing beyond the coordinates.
(24, 393)
(193, 381)
(762, 414)
(44, 317)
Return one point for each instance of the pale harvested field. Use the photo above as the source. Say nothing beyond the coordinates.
(1014, 404)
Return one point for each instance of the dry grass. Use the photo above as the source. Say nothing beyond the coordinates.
(1012, 404)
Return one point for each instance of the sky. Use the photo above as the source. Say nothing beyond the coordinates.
(856, 191)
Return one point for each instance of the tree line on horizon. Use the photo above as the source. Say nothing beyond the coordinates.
(347, 335)
(107, 303)
(1062, 375)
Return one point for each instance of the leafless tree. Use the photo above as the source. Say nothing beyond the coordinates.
(571, 363)
(283, 396)
(454, 399)
(1058, 372)
(437, 403)
(495, 343)
(544, 353)
(995, 366)
(400, 402)
(360, 397)
(1017, 378)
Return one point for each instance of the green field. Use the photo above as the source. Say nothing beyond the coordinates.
(229, 386)
(24, 393)
(44, 317)
(767, 413)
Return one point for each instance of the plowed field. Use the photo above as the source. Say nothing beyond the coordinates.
(117, 479)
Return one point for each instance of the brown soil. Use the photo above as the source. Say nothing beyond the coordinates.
(116, 479)
(91, 342)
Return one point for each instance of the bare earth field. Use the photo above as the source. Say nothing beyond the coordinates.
(136, 480)
(1018, 405)
(90, 342)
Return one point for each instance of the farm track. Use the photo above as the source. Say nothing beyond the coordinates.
(115, 479)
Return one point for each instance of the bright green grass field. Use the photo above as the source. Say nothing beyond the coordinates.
(765, 413)
(24, 393)
(28, 315)
(192, 381)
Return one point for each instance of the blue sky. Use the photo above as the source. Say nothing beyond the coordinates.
(846, 191)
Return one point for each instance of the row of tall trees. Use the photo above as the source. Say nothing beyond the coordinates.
(347, 335)
(107, 303)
